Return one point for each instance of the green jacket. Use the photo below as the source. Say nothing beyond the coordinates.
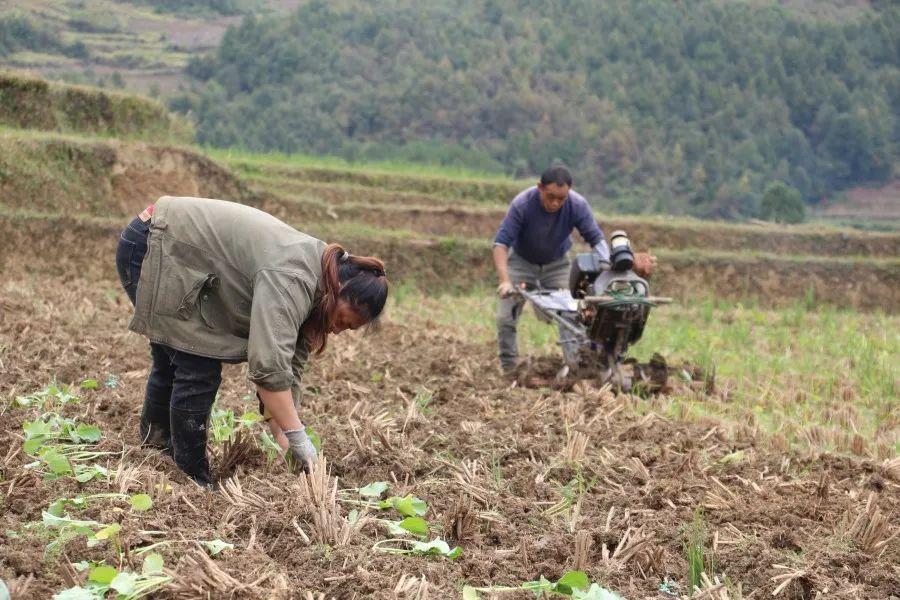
(231, 282)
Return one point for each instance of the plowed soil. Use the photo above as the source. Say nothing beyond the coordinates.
(428, 412)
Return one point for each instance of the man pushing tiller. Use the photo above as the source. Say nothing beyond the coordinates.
(213, 282)
(530, 248)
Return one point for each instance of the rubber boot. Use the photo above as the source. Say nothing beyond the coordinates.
(154, 427)
(189, 431)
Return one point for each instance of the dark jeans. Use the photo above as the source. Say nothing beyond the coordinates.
(181, 387)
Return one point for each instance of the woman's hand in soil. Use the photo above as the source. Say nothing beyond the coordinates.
(301, 453)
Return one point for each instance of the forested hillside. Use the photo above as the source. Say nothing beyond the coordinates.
(688, 107)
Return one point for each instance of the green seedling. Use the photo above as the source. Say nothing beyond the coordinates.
(696, 553)
(408, 506)
(57, 508)
(574, 584)
(89, 384)
(224, 424)
(414, 525)
(71, 460)
(126, 585)
(314, 438)
(436, 547)
(374, 490)
(54, 395)
(51, 427)
(269, 447)
(215, 547)
(64, 529)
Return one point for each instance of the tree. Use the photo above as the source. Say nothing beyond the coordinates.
(782, 203)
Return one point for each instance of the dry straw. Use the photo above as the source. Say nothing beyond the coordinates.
(318, 493)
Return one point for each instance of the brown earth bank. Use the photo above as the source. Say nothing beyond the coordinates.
(104, 177)
(318, 204)
(527, 482)
(71, 247)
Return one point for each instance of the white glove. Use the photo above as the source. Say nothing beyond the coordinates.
(506, 289)
(301, 453)
(601, 250)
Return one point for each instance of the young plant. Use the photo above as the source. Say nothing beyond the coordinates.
(71, 460)
(126, 585)
(409, 506)
(224, 424)
(436, 547)
(573, 584)
(695, 551)
(53, 428)
(53, 396)
(139, 502)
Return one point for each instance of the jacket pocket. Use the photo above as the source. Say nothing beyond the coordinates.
(183, 292)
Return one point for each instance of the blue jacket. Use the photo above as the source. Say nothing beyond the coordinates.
(541, 237)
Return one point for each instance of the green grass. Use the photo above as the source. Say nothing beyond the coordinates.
(789, 368)
(278, 159)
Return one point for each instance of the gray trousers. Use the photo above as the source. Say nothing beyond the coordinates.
(553, 275)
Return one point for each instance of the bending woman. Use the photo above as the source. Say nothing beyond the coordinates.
(214, 281)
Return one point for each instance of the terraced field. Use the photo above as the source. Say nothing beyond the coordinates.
(782, 479)
(144, 49)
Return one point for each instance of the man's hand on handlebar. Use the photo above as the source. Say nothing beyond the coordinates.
(506, 289)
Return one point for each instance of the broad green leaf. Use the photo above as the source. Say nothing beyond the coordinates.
(374, 489)
(539, 587)
(734, 457)
(84, 473)
(80, 593)
(108, 532)
(124, 583)
(315, 439)
(438, 547)
(596, 593)
(4, 591)
(470, 593)
(53, 521)
(141, 502)
(81, 565)
(57, 463)
(88, 433)
(103, 574)
(89, 384)
(415, 525)
(353, 516)
(153, 563)
(571, 581)
(33, 445)
(57, 507)
(250, 417)
(36, 428)
(214, 547)
(410, 506)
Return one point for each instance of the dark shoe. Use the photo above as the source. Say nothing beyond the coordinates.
(154, 427)
(189, 432)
